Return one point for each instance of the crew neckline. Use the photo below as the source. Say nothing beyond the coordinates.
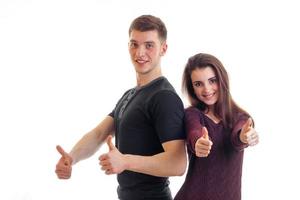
(150, 83)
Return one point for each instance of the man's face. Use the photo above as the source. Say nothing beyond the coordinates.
(145, 50)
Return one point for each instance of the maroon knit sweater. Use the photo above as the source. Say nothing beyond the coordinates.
(218, 176)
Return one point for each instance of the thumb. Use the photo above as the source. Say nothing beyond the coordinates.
(65, 156)
(247, 125)
(110, 144)
(205, 133)
(61, 151)
(250, 122)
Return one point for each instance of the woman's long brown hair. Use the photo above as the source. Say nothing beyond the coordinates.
(225, 109)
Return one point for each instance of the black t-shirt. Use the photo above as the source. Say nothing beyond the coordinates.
(145, 118)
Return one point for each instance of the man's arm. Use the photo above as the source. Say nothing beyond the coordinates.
(171, 162)
(91, 141)
(84, 148)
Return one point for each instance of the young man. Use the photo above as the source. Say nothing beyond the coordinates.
(147, 123)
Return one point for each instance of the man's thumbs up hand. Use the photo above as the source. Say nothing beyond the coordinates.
(110, 144)
(64, 166)
(203, 145)
(112, 162)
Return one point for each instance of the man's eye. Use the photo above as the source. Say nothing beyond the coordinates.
(133, 45)
(149, 45)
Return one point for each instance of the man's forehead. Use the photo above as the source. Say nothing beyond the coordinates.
(140, 36)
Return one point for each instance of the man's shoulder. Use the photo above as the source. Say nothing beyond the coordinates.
(160, 89)
(166, 99)
(162, 84)
(164, 87)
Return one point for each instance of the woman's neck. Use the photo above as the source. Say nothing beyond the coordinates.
(210, 113)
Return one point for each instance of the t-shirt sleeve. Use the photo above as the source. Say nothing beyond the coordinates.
(193, 127)
(112, 113)
(235, 135)
(167, 113)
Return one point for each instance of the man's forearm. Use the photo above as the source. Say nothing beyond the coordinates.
(86, 147)
(91, 141)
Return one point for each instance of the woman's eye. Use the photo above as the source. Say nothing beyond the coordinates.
(213, 80)
(197, 84)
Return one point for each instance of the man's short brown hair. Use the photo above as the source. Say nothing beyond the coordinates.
(149, 23)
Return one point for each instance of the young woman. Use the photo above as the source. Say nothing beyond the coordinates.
(217, 131)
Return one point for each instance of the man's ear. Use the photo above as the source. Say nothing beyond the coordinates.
(164, 48)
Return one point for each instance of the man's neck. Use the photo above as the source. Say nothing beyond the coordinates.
(144, 79)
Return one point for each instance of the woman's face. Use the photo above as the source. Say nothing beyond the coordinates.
(205, 85)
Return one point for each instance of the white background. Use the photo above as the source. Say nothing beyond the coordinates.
(64, 64)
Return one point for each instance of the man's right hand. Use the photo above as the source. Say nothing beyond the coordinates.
(64, 165)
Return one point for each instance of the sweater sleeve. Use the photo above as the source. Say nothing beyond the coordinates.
(236, 131)
(193, 127)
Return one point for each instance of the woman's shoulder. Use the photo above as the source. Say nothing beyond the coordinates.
(192, 110)
(240, 116)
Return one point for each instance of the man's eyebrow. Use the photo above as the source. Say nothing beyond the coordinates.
(132, 40)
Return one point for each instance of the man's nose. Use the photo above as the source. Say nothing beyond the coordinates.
(141, 51)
